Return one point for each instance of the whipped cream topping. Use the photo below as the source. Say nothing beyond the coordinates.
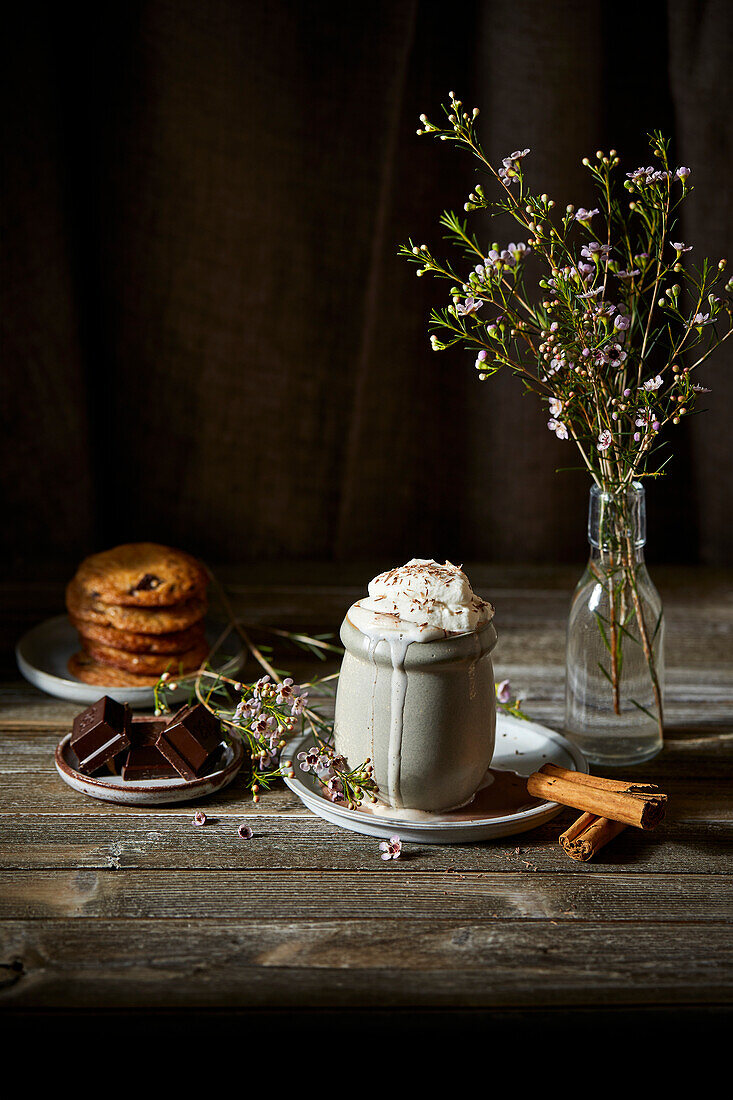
(433, 597)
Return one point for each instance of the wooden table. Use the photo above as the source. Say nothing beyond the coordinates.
(107, 907)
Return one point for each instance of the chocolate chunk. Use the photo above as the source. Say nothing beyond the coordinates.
(144, 760)
(100, 732)
(146, 583)
(190, 739)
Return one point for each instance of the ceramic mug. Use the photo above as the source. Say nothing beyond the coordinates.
(424, 713)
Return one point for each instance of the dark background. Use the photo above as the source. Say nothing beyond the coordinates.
(208, 338)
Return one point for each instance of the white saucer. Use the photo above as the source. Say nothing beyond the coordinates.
(43, 655)
(149, 792)
(521, 748)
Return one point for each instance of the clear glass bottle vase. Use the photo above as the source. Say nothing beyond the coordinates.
(614, 669)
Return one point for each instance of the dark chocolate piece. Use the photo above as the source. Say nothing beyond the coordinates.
(145, 728)
(188, 741)
(144, 760)
(100, 732)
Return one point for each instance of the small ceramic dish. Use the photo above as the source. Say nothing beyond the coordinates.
(149, 792)
(501, 807)
(43, 655)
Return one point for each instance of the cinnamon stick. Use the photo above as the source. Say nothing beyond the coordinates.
(588, 835)
(641, 805)
(599, 781)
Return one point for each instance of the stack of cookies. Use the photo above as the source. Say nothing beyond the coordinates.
(139, 610)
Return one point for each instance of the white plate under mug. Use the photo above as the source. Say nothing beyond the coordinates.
(149, 792)
(43, 656)
(501, 808)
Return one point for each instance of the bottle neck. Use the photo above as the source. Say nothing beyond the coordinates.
(617, 525)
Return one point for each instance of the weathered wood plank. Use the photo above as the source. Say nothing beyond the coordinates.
(390, 963)
(168, 840)
(397, 892)
(690, 799)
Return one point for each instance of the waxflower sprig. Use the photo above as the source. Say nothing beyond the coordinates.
(600, 335)
(338, 782)
(509, 703)
(264, 716)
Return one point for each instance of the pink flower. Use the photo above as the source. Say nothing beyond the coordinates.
(646, 418)
(199, 818)
(558, 428)
(391, 849)
(263, 725)
(298, 704)
(335, 789)
(555, 406)
(604, 440)
(653, 383)
(504, 692)
(309, 759)
(260, 685)
(583, 215)
(245, 832)
(470, 306)
(285, 691)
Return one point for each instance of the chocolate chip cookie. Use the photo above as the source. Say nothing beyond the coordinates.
(85, 668)
(148, 664)
(135, 620)
(178, 642)
(142, 574)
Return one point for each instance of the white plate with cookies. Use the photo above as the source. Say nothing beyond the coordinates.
(135, 612)
(44, 653)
